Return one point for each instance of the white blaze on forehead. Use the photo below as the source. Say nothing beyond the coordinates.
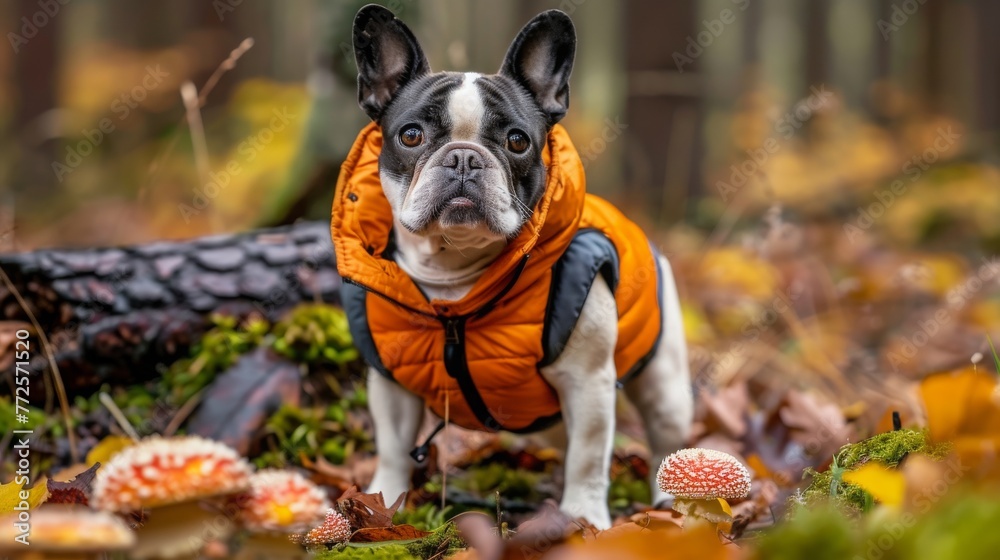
(466, 109)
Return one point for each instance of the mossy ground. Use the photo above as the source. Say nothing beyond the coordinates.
(441, 543)
(957, 528)
(889, 449)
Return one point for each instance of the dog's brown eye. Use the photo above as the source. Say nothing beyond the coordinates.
(517, 141)
(411, 136)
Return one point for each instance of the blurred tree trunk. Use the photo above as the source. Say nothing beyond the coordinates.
(35, 90)
(986, 68)
(114, 314)
(663, 108)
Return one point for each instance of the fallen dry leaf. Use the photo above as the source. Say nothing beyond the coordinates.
(819, 427)
(75, 491)
(702, 543)
(367, 510)
(393, 533)
(727, 408)
(961, 410)
(357, 471)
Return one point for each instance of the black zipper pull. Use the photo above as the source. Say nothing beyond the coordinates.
(451, 331)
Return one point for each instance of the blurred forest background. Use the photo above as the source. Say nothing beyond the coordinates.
(667, 96)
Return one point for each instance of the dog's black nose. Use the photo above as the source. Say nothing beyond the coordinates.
(463, 160)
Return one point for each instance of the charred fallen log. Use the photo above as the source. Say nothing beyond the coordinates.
(115, 314)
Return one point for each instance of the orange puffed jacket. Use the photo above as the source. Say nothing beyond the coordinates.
(479, 357)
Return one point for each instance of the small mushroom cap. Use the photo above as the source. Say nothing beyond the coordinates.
(61, 528)
(163, 471)
(282, 502)
(334, 529)
(703, 474)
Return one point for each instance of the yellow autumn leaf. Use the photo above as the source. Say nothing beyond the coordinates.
(108, 448)
(734, 269)
(960, 404)
(697, 329)
(884, 484)
(725, 526)
(14, 497)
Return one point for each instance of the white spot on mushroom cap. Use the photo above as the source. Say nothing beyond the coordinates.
(703, 474)
(160, 471)
(283, 502)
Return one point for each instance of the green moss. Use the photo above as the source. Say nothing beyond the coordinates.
(952, 526)
(217, 350)
(959, 527)
(309, 334)
(488, 479)
(823, 533)
(367, 552)
(427, 517)
(9, 410)
(333, 432)
(888, 448)
(627, 489)
(315, 333)
(439, 544)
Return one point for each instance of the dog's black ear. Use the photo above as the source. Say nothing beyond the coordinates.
(388, 57)
(541, 60)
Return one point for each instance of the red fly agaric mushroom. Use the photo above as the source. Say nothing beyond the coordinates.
(181, 483)
(335, 529)
(279, 503)
(66, 532)
(701, 480)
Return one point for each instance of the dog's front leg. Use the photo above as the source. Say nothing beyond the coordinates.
(584, 378)
(397, 414)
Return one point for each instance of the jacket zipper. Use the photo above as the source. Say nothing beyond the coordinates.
(455, 362)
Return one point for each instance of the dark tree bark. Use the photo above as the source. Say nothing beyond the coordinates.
(243, 398)
(115, 314)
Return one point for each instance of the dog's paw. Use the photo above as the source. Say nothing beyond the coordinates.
(390, 486)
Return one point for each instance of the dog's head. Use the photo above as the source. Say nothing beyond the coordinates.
(462, 153)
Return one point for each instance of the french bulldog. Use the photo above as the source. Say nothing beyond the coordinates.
(462, 169)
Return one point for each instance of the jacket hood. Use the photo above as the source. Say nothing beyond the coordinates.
(362, 225)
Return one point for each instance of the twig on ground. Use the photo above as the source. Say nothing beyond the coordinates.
(189, 93)
(227, 65)
(118, 415)
(53, 367)
(183, 413)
